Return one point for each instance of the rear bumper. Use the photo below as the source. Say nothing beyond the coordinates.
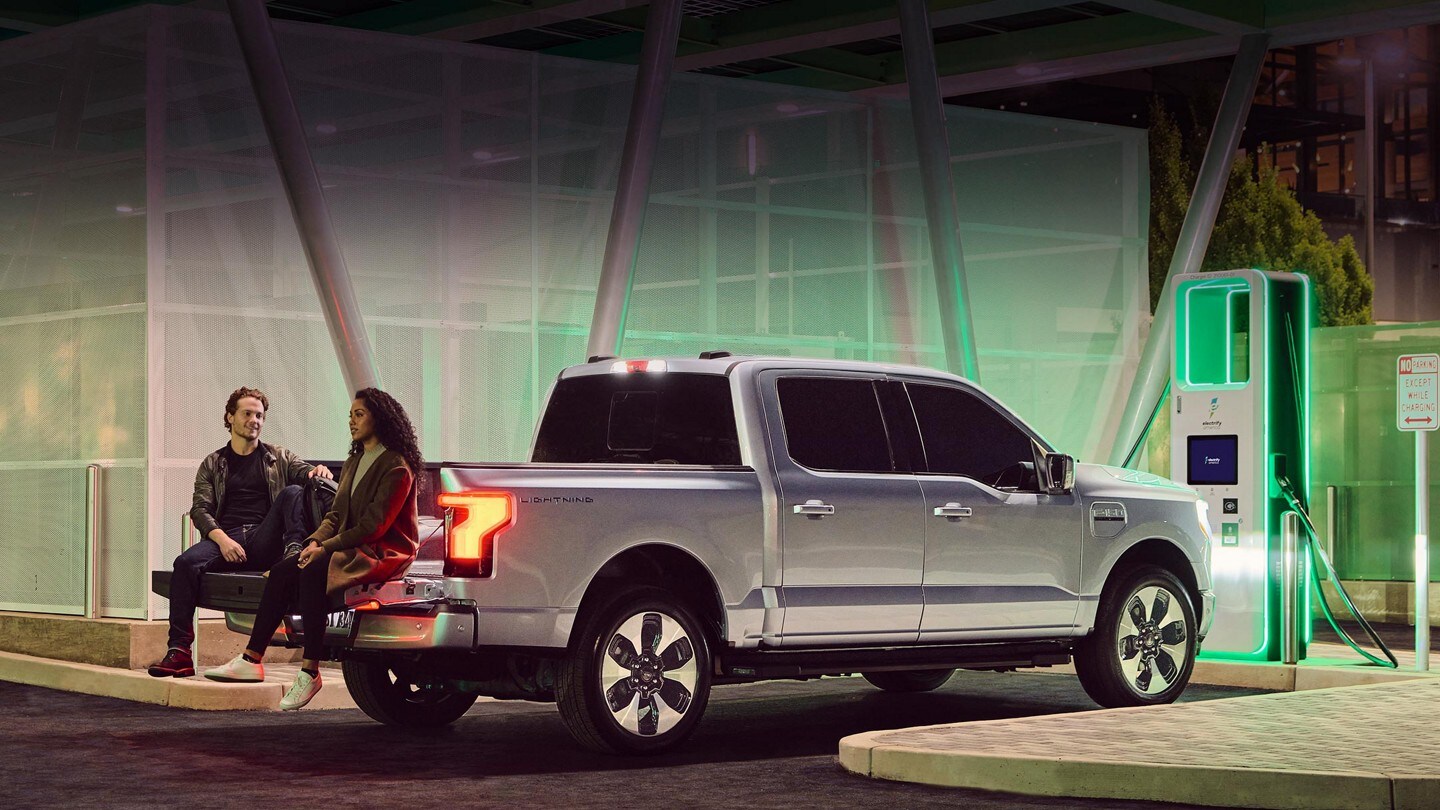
(438, 626)
(417, 612)
(411, 613)
(432, 627)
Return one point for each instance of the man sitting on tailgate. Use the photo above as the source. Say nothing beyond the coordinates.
(248, 506)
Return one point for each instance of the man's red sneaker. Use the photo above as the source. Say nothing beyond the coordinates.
(175, 664)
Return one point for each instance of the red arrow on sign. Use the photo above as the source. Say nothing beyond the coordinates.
(1410, 419)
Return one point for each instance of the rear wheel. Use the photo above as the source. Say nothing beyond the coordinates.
(638, 678)
(1142, 649)
(401, 693)
(924, 680)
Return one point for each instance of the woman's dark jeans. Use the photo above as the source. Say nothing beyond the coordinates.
(306, 586)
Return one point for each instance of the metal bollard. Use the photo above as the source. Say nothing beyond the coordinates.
(1332, 519)
(1289, 587)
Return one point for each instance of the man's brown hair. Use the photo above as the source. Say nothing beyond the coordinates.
(232, 404)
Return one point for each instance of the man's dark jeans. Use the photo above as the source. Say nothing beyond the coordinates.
(263, 543)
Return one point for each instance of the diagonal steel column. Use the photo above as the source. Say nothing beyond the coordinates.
(1154, 370)
(637, 159)
(303, 190)
(957, 328)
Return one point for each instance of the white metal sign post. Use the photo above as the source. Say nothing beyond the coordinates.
(1417, 409)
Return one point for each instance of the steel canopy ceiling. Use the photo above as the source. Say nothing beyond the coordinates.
(846, 45)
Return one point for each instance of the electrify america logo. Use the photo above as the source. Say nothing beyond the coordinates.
(1210, 420)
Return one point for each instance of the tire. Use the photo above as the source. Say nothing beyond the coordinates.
(399, 693)
(1142, 649)
(638, 676)
(922, 680)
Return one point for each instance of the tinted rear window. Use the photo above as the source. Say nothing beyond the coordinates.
(640, 418)
(834, 423)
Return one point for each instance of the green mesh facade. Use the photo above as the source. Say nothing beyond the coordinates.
(149, 264)
(1360, 452)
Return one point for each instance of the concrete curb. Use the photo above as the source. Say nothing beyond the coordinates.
(1313, 674)
(1074, 777)
(1298, 677)
(182, 693)
(987, 762)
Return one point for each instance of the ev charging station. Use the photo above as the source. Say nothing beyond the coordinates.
(1240, 436)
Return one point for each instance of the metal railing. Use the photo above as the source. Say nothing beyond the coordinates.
(93, 516)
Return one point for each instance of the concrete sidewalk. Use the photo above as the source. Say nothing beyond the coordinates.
(195, 692)
(1374, 746)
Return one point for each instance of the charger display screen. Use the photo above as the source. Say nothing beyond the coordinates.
(1214, 460)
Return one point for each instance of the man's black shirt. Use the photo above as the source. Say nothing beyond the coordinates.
(247, 497)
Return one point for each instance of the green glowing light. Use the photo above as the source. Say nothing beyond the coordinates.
(1207, 321)
(1218, 321)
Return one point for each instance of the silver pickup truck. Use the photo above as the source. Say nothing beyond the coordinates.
(690, 522)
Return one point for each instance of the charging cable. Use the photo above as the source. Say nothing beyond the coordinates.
(1317, 555)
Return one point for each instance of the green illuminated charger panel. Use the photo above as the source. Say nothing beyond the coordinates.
(1239, 402)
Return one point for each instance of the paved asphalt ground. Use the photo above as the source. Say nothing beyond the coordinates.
(761, 745)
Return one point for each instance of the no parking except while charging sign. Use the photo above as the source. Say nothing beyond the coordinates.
(1417, 392)
(1417, 409)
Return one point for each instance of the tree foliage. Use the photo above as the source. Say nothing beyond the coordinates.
(1260, 225)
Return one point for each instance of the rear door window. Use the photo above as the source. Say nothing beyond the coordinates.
(640, 418)
(834, 424)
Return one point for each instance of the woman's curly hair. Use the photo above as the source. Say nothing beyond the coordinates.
(393, 429)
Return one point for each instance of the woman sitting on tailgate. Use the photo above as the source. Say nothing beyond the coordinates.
(369, 535)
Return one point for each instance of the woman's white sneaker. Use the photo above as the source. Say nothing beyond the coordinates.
(237, 670)
(301, 691)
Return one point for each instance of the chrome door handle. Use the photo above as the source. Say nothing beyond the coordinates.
(814, 508)
(953, 511)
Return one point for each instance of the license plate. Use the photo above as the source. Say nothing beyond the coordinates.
(340, 621)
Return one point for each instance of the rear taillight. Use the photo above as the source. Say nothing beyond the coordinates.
(472, 521)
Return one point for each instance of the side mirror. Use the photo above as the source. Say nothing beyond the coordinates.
(1059, 474)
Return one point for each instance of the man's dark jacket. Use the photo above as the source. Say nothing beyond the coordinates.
(282, 467)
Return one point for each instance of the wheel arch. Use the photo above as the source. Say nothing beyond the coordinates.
(1162, 552)
(663, 566)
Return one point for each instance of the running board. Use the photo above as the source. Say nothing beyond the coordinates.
(797, 663)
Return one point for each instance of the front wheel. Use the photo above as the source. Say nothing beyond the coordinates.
(1142, 649)
(638, 677)
(401, 693)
